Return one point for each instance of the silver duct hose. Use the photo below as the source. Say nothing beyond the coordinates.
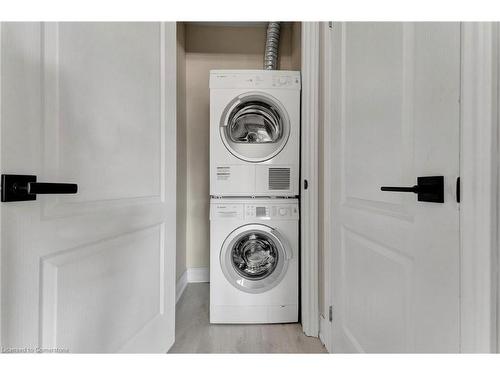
(272, 45)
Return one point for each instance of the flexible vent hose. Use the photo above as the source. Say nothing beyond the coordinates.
(272, 45)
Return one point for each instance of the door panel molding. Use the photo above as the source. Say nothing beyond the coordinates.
(404, 264)
(52, 81)
(52, 284)
(398, 206)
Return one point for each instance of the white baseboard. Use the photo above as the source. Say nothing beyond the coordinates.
(198, 275)
(191, 275)
(181, 285)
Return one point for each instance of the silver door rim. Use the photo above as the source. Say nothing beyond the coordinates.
(248, 285)
(268, 99)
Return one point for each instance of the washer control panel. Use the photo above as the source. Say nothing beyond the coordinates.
(263, 79)
(254, 209)
(272, 211)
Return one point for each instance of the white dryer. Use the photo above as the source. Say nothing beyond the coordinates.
(254, 132)
(254, 256)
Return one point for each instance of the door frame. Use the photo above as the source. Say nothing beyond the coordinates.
(309, 171)
(326, 117)
(1, 239)
(479, 209)
(479, 183)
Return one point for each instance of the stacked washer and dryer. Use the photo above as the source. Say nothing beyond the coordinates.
(254, 188)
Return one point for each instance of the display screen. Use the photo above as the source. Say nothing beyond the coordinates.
(260, 211)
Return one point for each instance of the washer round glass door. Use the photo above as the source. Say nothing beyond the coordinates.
(255, 127)
(254, 258)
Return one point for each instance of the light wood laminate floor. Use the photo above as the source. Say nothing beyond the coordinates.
(194, 333)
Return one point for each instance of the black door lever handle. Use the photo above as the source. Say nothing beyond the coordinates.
(25, 188)
(428, 189)
(412, 189)
(46, 188)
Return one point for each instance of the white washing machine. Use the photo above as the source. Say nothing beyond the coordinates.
(254, 132)
(254, 260)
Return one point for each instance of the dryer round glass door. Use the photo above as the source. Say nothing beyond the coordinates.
(254, 258)
(255, 127)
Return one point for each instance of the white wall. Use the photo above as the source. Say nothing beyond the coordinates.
(217, 47)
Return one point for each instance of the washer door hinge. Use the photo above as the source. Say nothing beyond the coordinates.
(458, 189)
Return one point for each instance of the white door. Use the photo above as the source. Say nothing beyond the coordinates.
(92, 104)
(395, 117)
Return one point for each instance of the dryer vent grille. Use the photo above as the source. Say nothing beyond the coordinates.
(279, 178)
